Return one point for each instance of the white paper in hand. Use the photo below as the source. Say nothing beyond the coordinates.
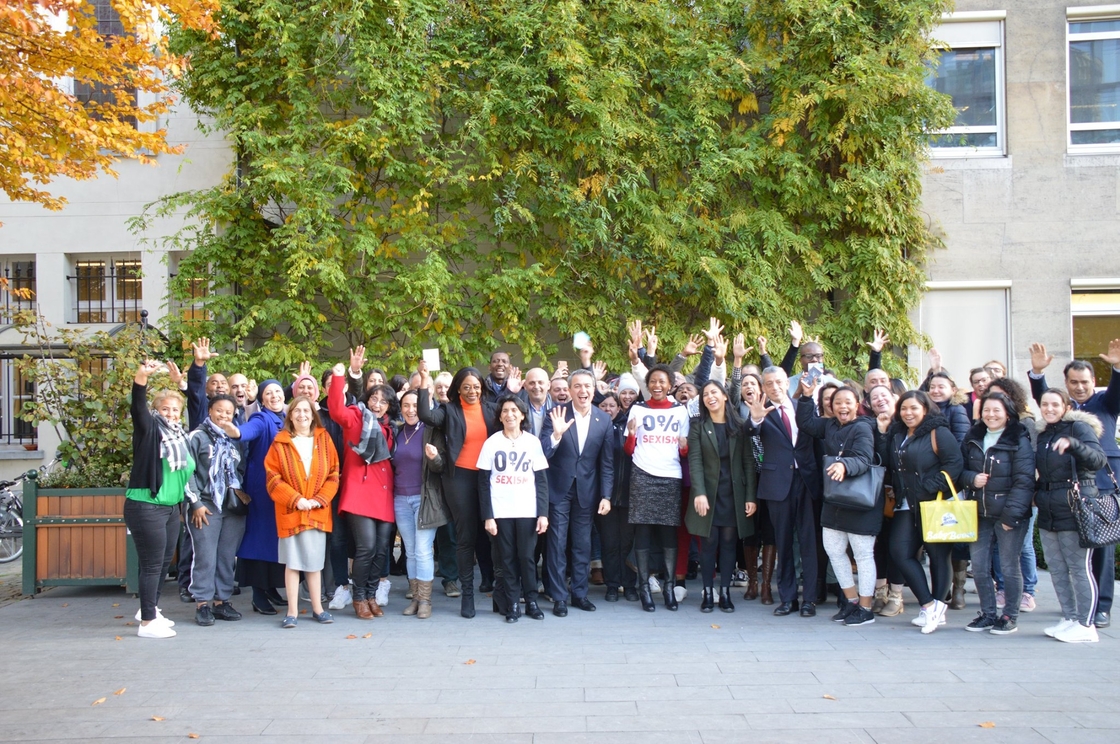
(431, 358)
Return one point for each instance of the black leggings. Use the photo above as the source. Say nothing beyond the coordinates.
(463, 501)
(763, 528)
(371, 548)
(885, 567)
(155, 531)
(726, 541)
(515, 543)
(906, 540)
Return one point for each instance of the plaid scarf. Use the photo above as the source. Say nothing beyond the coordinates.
(172, 442)
(224, 459)
(372, 446)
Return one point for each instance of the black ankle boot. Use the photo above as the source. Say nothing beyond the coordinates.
(466, 607)
(708, 603)
(725, 599)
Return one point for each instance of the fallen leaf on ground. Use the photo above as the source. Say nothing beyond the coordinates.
(716, 627)
(116, 638)
(120, 691)
(988, 724)
(65, 604)
(351, 637)
(118, 617)
(829, 697)
(116, 604)
(368, 635)
(192, 736)
(129, 622)
(470, 661)
(98, 701)
(158, 718)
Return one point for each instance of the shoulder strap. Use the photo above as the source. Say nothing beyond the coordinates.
(933, 440)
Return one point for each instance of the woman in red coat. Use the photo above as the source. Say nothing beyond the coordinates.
(367, 483)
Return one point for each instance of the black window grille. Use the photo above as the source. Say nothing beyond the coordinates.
(106, 291)
(20, 276)
(15, 389)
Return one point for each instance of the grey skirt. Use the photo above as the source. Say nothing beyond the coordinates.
(654, 500)
(304, 551)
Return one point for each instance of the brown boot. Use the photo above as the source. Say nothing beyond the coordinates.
(750, 564)
(769, 555)
(374, 609)
(424, 589)
(412, 607)
(960, 575)
(361, 609)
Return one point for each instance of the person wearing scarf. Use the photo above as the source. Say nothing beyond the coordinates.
(366, 499)
(161, 466)
(217, 514)
(258, 562)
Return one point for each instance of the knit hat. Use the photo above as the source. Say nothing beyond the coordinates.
(626, 381)
(314, 384)
(264, 385)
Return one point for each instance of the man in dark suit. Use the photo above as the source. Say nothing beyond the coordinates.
(577, 440)
(789, 481)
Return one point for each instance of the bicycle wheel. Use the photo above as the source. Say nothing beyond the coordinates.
(11, 535)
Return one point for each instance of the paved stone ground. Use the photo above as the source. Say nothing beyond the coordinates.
(616, 675)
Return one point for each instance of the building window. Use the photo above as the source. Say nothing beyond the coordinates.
(189, 305)
(984, 308)
(106, 291)
(969, 70)
(20, 278)
(1095, 318)
(15, 389)
(1094, 78)
(95, 95)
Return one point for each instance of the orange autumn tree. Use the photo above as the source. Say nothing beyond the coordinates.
(77, 77)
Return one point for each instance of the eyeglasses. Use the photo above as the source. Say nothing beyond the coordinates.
(813, 357)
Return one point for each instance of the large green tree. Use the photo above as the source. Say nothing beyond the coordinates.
(472, 173)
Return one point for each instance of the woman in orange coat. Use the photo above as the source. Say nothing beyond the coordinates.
(301, 474)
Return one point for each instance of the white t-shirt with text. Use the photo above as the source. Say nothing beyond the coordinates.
(512, 464)
(657, 449)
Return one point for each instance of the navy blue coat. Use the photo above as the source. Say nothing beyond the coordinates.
(776, 473)
(593, 471)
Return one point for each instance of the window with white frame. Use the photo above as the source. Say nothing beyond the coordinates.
(1093, 38)
(984, 308)
(106, 290)
(969, 70)
(1094, 321)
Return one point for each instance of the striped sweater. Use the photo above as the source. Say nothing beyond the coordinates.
(287, 483)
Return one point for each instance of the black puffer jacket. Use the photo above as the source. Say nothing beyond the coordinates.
(913, 466)
(855, 444)
(1055, 471)
(1009, 463)
(957, 419)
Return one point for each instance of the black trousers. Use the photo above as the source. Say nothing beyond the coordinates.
(464, 504)
(516, 542)
(616, 536)
(155, 531)
(795, 515)
(723, 541)
(371, 551)
(567, 519)
(1104, 571)
(906, 541)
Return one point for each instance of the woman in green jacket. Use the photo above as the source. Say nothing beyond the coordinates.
(722, 506)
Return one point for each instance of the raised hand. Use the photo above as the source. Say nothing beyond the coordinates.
(357, 358)
(879, 340)
(714, 329)
(1040, 359)
(759, 407)
(692, 348)
(202, 352)
(739, 349)
(599, 369)
(174, 373)
(934, 360)
(513, 381)
(338, 370)
(425, 376)
(651, 341)
(1113, 355)
(633, 347)
(795, 333)
(559, 424)
(635, 330)
(304, 370)
(252, 390)
(761, 341)
(146, 370)
(720, 348)
(808, 386)
(585, 354)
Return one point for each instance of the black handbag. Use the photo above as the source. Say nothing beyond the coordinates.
(1098, 519)
(233, 505)
(860, 492)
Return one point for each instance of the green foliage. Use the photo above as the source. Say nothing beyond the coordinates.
(469, 174)
(83, 388)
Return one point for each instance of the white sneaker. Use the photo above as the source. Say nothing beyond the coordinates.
(1077, 633)
(935, 616)
(920, 620)
(739, 578)
(382, 595)
(654, 585)
(1063, 624)
(159, 618)
(681, 593)
(155, 629)
(341, 598)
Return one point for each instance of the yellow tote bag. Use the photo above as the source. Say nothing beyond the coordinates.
(951, 520)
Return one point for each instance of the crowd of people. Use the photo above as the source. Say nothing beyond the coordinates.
(542, 484)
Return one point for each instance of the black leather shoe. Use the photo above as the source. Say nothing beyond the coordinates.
(274, 597)
(266, 610)
(647, 599)
(612, 594)
(185, 596)
(809, 609)
(560, 609)
(725, 599)
(225, 611)
(630, 594)
(670, 597)
(511, 618)
(533, 610)
(583, 603)
(708, 600)
(785, 608)
(203, 615)
(1102, 620)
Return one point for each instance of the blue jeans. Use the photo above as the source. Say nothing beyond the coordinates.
(1027, 562)
(417, 542)
(989, 533)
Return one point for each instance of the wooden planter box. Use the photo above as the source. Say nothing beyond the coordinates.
(76, 537)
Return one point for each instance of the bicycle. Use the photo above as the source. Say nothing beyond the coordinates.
(11, 520)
